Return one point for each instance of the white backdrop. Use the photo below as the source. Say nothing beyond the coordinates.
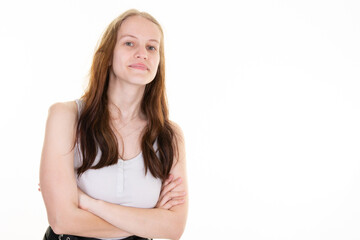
(267, 94)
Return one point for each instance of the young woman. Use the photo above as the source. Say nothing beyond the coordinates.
(113, 164)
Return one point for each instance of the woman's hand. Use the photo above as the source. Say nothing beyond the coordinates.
(169, 198)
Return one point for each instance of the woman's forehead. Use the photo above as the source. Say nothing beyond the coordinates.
(139, 27)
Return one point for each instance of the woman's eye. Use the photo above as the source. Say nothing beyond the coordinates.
(129, 44)
(151, 48)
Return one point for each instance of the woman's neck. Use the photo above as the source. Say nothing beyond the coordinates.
(125, 100)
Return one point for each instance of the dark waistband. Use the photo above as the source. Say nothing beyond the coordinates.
(51, 235)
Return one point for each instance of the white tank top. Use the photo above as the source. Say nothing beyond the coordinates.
(124, 183)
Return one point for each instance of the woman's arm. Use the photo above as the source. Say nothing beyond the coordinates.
(58, 183)
(150, 223)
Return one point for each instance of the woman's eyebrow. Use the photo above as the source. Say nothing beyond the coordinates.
(129, 35)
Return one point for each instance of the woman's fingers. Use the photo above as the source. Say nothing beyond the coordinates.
(169, 196)
(168, 180)
(170, 186)
(173, 202)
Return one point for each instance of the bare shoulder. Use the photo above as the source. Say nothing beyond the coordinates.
(179, 143)
(61, 126)
(179, 134)
(63, 109)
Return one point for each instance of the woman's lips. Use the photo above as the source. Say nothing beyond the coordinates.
(139, 66)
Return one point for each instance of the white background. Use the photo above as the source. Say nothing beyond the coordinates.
(267, 94)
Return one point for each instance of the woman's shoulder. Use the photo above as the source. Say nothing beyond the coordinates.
(176, 128)
(60, 127)
(63, 111)
(178, 134)
(179, 142)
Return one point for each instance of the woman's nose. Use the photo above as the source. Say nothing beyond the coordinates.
(141, 53)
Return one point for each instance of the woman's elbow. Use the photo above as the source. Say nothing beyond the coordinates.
(177, 230)
(55, 223)
(60, 222)
(177, 235)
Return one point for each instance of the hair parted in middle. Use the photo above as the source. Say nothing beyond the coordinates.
(93, 127)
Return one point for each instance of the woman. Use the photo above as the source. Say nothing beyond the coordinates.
(128, 158)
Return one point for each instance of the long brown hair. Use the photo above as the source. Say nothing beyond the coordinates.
(94, 132)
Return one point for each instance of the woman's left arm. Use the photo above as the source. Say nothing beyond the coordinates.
(150, 223)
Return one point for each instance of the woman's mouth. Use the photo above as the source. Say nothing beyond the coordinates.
(140, 66)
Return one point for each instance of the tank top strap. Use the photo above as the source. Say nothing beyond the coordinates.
(79, 104)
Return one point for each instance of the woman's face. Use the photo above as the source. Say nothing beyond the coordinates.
(136, 54)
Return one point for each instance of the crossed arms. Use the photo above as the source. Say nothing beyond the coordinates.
(72, 212)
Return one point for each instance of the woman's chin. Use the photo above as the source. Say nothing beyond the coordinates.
(139, 82)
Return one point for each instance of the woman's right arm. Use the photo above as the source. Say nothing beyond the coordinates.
(58, 182)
